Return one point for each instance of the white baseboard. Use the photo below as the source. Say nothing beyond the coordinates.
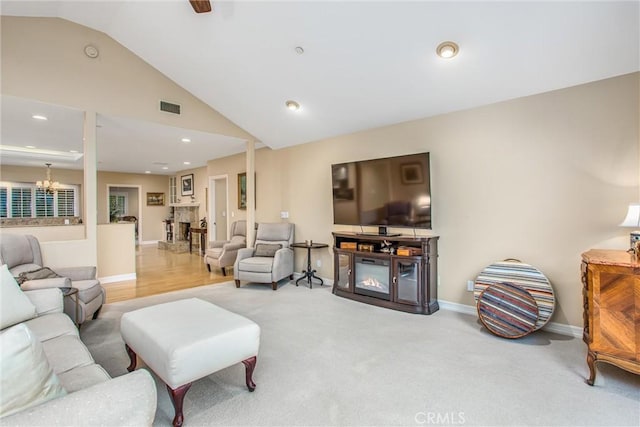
(149, 242)
(562, 329)
(459, 308)
(117, 278)
(557, 328)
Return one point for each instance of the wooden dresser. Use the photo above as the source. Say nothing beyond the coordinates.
(611, 293)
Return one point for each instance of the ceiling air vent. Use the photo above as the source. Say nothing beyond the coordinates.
(169, 107)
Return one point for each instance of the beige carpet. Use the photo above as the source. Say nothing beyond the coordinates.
(326, 360)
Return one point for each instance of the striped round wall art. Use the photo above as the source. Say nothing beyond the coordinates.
(507, 310)
(524, 276)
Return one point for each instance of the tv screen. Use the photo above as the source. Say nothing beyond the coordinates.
(393, 192)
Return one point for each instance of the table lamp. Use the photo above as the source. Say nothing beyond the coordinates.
(633, 220)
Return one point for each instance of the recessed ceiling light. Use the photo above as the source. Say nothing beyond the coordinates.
(447, 50)
(165, 167)
(299, 50)
(186, 163)
(39, 117)
(30, 146)
(185, 140)
(292, 105)
(147, 171)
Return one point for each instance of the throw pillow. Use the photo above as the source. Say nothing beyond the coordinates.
(41, 273)
(267, 250)
(15, 306)
(27, 378)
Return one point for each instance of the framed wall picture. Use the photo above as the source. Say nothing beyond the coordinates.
(187, 185)
(242, 190)
(155, 199)
(411, 173)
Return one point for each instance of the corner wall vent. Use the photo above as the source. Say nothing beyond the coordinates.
(169, 107)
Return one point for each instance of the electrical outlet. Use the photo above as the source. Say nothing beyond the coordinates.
(319, 263)
(470, 284)
(284, 214)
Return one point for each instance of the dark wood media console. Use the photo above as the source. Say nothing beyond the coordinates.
(363, 272)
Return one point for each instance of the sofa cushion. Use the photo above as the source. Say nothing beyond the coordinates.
(66, 352)
(83, 377)
(268, 250)
(256, 265)
(15, 306)
(52, 326)
(27, 378)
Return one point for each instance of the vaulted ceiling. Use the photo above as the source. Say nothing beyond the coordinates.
(364, 64)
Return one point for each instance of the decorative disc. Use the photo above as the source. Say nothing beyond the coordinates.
(507, 310)
(525, 276)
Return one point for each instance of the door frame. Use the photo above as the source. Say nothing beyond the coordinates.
(139, 187)
(212, 206)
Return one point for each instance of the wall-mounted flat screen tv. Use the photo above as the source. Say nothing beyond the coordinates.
(388, 192)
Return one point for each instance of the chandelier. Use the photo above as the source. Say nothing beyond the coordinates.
(48, 185)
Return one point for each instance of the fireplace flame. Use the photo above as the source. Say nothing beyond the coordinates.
(372, 282)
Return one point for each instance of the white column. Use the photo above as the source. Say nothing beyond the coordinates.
(251, 189)
(90, 198)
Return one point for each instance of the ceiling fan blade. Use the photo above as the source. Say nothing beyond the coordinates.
(201, 6)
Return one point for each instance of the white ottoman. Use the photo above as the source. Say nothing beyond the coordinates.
(185, 340)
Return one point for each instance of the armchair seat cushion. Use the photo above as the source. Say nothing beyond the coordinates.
(256, 264)
(87, 289)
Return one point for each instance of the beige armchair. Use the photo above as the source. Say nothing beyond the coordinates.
(270, 260)
(222, 253)
(22, 254)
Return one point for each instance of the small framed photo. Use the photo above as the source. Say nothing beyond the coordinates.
(187, 185)
(411, 173)
(155, 199)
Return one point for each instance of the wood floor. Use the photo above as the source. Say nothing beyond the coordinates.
(159, 271)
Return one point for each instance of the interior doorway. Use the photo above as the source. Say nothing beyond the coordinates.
(125, 204)
(218, 208)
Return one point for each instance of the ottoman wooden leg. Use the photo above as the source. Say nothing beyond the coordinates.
(237, 283)
(177, 398)
(250, 365)
(132, 358)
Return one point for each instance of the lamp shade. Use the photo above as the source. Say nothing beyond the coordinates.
(633, 216)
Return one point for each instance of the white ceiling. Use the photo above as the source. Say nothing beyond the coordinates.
(124, 145)
(366, 64)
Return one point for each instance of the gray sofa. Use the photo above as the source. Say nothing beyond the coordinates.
(48, 375)
(22, 254)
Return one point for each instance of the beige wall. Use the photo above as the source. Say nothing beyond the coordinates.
(116, 250)
(150, 223)
(541, 179)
